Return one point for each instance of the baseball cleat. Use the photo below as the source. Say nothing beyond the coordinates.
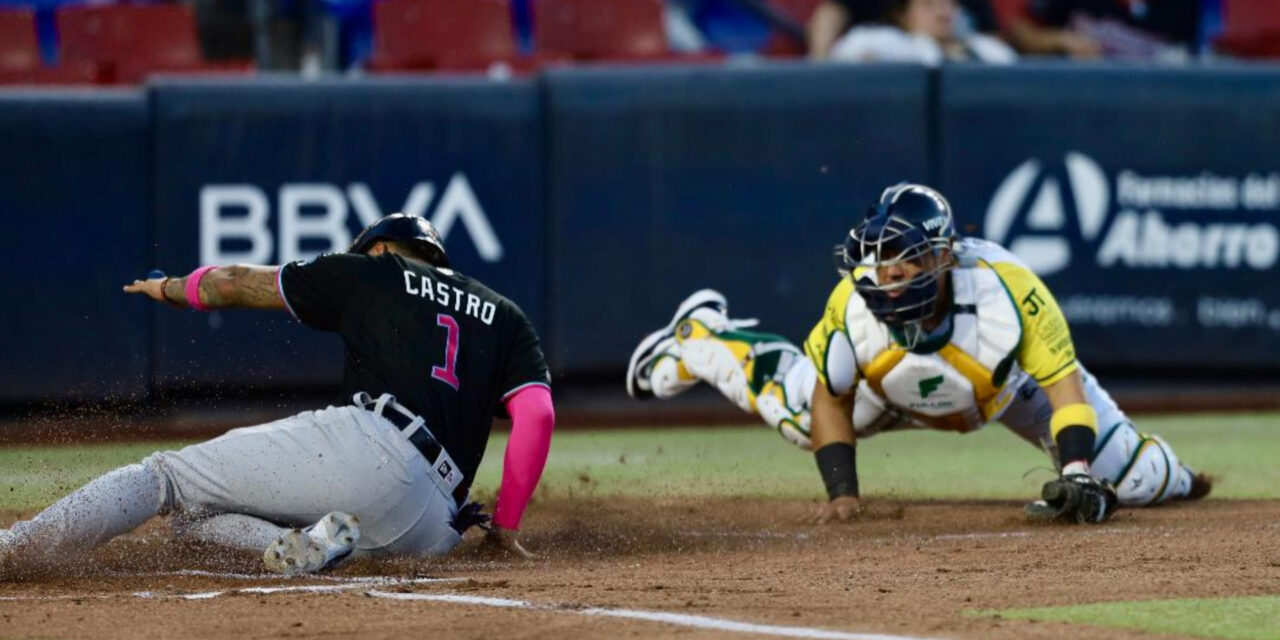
(1201, 486)
(652, 345)
(321, 546)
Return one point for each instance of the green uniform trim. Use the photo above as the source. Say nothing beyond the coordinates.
(1102, 444)
(1134, 458)
(1064, 367)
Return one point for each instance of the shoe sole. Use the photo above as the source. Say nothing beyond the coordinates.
(297, 553)
(294, 553)
(700, 298)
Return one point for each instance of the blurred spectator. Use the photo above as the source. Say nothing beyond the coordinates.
(729, 26)
(921, 31)
(293, 35)
(1165, 30)
(225, 30)
(834, 17)
(682, 34)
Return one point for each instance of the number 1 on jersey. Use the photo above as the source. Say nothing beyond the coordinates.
(448, 374)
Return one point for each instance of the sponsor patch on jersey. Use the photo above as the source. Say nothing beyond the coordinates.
(929, 385)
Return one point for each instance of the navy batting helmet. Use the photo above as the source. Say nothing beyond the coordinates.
(400, 227)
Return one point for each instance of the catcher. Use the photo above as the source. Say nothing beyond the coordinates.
(924, 331)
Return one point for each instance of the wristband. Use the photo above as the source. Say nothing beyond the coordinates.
(1075, 444)
(193, 288)
(1079, 414)
(837, 462)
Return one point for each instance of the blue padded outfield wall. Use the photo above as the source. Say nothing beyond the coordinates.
(74, 184)
(598, 198)
(1149, 202)
(742, 180)
(269, 173)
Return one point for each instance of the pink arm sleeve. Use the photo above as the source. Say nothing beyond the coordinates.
(532, 420)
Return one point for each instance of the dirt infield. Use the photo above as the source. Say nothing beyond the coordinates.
(908, 570)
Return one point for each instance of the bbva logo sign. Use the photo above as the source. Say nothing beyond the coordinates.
(235, 226)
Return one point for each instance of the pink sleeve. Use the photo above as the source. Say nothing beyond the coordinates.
(532, 420)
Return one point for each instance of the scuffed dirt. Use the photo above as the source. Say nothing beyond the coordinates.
(909, 568)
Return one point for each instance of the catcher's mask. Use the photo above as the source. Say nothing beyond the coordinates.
(897, 255)
(401, 227)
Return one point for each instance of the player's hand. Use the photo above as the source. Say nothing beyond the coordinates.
(841, 509)
(149, 288)
(502, 542)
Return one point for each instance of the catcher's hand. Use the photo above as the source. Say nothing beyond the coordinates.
(1076, 498)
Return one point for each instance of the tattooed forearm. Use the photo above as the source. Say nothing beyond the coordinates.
(241, 286)
(174, 291)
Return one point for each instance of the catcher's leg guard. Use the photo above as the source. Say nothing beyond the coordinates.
(657, 344)
(717, 361)
(665, 374)
(1144, 468)
(760, 372)
(784, 402)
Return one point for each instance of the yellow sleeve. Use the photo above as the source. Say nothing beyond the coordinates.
(1046, 351)
(830, 329)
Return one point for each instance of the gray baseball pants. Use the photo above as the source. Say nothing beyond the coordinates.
(249, 486)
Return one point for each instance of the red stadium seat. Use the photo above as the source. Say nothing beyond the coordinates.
(446, 35)
(1251, 28)
(601, 29)
(20, 55)
(128, 42)
(19, 49)
(1008, 11)
(799, 11)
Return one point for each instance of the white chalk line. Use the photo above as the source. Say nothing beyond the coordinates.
(357, 583)
(759, 535)
(678, 619)
(351, 584)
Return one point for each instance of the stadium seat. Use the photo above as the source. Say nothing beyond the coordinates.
(18, 46)
(1008, 11)
(128, 42)
(445, 35)
(799, 11)
(1251, 28)
(20, 54)
(601, 29)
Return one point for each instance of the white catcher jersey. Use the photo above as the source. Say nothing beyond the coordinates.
(1004, 326)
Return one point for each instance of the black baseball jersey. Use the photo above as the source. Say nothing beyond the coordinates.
(449, 348)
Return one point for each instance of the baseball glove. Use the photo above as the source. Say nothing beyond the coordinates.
(1076, 498)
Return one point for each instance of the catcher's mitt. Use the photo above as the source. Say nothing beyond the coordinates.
(1076, 498)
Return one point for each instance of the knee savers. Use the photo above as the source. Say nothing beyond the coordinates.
(711, 360)
(1144, 469)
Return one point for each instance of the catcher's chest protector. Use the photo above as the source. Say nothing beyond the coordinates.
(955, 383)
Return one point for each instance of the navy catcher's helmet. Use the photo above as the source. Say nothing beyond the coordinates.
(908, 222)
(400, 227)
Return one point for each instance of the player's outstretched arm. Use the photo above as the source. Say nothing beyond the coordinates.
(236, 286)
(831, 427)
(533, 420)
